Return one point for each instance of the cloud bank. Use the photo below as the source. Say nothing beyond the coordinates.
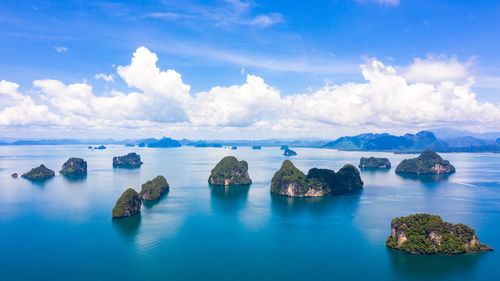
(425, 94)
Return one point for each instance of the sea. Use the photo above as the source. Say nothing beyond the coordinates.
(62, 229)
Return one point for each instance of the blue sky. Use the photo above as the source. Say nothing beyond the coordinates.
(296, 47)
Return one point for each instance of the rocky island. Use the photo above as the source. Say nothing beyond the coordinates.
(74, 166)
(230, 171)
(154, 189)
(14, 175)
(130, 160)
(374, 163)
(256, 147)
(39, 173)
(289, 152)
(429, 162)
(128, 204)
(290, 181)
(428, 234)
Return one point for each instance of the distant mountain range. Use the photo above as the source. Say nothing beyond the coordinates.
(413, 143)
(364, 142)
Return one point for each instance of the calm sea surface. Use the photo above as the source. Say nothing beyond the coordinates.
(62, 229)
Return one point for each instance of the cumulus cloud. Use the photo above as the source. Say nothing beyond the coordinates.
(435, 70)
(107, 78)
(388, 98)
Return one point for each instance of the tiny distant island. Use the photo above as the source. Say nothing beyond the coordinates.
(289, 152)
(256, 147)
(290, 181)
(374, 163)
(130, 160)
(230, 171)
(429, 162)
(74, 166)
(39, 173)
(425, 234)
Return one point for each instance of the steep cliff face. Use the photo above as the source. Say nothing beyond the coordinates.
(154, 189)
(74, 166)
(290, 181)
(230, 171)
(128, 204)
(429, 162)
(428, 234)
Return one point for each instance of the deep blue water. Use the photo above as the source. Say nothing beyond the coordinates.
(62, 229)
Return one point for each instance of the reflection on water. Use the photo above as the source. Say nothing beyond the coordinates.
(374, 170)
(40, 182)
(127, 227)
(317, 206)
(74, 178)
(433, 266)
(425, 178)
(229, 198)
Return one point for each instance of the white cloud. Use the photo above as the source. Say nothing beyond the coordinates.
(159, 100)
(60, 49)
(435, 70)
(266, 20)
(107, 78)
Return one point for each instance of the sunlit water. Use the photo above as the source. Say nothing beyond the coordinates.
(62, 229)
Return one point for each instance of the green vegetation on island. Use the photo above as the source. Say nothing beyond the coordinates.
(428, 234)
(39, 173)
(290, 181)
(128, 204)
(74, 166)
(130, 160)
(429, 162)
(230, 171)
(289, 152)
(374, 163)
(154, 189)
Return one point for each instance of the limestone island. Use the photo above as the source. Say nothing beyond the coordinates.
(374, 163)
(154, 189)
(429, 162)
(100, 147)
(290, 181)
(256, 147)
(14, 175)
(128, 204)
(234, 147)
(230, 171)
(425, 234)
(39, 173)
(74, 166)
(130, 160)
(289, 152)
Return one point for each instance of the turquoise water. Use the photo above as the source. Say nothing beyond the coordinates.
(62, 229)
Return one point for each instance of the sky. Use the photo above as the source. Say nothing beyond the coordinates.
(234, 69)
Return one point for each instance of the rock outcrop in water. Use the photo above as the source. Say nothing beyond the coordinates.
(289, 152)
(39, 173)
(429, 162)
(128, 204)
(256, 147)
(230, 171)
(14, 175)
(428, 234)
(74, 166)
(130, 160)
(290, 181)
(154, 189)
(374, 163)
